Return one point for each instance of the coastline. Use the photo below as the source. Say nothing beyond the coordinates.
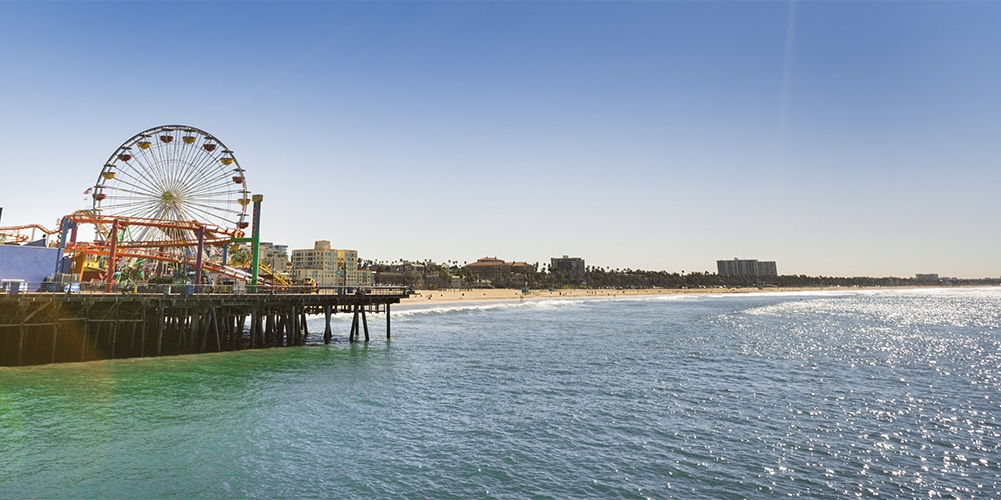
(478, 295)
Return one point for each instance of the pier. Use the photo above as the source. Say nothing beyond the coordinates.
(40, 328)
(168, 207)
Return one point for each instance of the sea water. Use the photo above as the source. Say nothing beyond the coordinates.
(892, 394)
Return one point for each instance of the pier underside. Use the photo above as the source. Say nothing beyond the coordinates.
(59, 328)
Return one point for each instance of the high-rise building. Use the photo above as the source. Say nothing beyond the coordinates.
(746, 267)
(767, 268)
(571, 267)
(329, 266)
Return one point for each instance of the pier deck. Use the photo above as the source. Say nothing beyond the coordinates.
(39, 328)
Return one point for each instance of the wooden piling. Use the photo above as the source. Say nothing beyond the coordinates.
(83, 340)
(55, 339)
(364, 321)
(159, 330)
(20, 346)
(114, 339)
(327, 333)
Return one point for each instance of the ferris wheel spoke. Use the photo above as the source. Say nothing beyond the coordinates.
(168, 178)
(125, 210)
(207, 204)
(196, 165)
(151, 210)
(126, 203)
(184, 185)
(221, 205)
(218, 189)
(125, 175)
(160, 212)
(207, 213)
(146, 162)
(180, 162)
(208, 217)
(164, 167)
(204, 163)
(192, 183)
(132, 172)
(181, 165)
(213, 198)
(187, 150)
(167, 171)
(134, 189)
(122, 189)
(223, 195)
(208, 182)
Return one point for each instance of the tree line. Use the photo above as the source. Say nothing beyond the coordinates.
(434, 275)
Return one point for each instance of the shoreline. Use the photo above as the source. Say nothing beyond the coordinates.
(481, 295)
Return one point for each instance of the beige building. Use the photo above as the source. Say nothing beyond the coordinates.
(274, 256)
(329, 266)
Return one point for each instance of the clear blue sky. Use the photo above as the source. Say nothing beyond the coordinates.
(836, 138)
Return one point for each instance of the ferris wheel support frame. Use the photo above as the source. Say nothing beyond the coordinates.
(255, 241)
(110, 278)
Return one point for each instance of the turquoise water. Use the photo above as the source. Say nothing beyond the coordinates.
(830, 395)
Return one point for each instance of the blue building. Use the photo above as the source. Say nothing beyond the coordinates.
(31, 263)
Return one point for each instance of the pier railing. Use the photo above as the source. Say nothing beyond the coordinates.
(17, 287)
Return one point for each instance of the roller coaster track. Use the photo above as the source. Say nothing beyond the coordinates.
(214, 267)
(275, 277)
(213, 236)
(14, 232)
(155, 250)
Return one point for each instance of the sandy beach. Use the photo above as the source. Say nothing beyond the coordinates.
(452, 296)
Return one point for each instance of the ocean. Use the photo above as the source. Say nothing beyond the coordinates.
(889, 394)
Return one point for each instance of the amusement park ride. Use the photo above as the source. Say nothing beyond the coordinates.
(169, 202)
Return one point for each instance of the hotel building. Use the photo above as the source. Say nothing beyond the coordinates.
(329, 266)
(488, 268)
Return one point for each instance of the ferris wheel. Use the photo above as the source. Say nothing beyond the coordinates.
(173, 173)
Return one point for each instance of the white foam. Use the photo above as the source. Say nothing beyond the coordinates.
(417, 309)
